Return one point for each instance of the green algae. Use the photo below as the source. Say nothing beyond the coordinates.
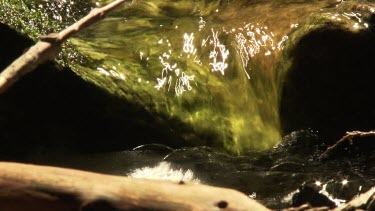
(161, 55)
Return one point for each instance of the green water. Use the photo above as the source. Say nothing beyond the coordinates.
(216, 66)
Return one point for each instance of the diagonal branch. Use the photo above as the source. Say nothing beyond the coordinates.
(49, 46)
(349, 136)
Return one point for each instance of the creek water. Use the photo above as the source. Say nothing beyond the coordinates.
(274, 178)
(208, 75)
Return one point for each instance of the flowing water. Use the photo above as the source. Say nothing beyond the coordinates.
(273, 178)
(215, 71)
(216, 66)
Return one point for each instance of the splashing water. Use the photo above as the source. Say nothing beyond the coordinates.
(216, 66)
(164, 171)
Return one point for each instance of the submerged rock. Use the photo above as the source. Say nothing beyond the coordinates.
(328, 86)
(210, 72)
(308, 195)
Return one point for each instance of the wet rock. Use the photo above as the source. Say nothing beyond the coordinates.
(311, 196)
(329, 85)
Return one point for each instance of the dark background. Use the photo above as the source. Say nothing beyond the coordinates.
(52, 109)
(331, 84)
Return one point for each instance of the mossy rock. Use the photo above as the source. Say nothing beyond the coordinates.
(217, 67)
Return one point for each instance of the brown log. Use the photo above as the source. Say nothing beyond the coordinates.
(32, 187)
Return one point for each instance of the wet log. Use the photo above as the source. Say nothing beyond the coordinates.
(32, 187)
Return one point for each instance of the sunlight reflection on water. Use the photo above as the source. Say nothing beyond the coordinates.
(217, 66)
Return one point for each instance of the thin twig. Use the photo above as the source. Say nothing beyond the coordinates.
(348, 136)
(49, 46)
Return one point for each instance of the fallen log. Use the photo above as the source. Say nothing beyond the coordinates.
(32, 187)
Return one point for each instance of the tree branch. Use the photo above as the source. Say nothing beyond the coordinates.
(49, 46)
(34, 188)
(349, 136)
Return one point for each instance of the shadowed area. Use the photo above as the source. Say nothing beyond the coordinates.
(330, 86)
(56, 110)
(213, 65)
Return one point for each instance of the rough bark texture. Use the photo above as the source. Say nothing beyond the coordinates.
(31, 187)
